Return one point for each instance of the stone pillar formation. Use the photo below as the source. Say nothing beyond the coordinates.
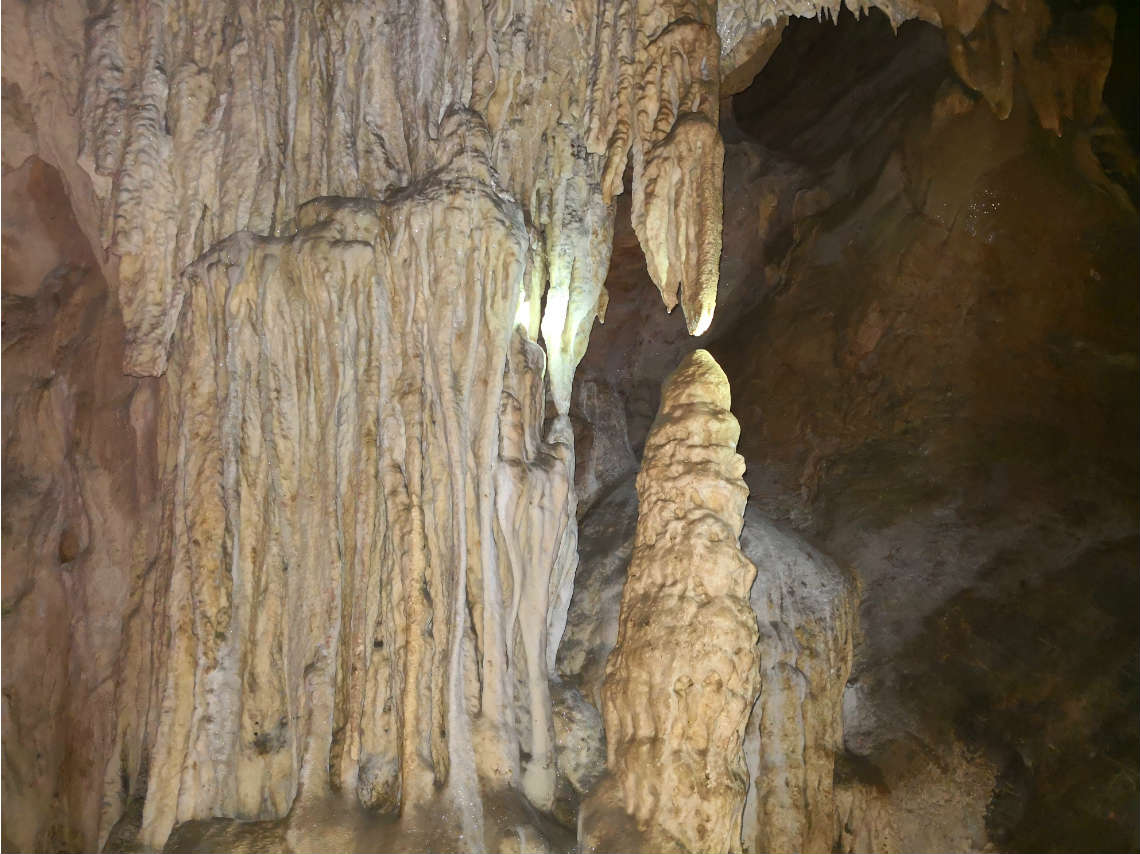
(344, 601)
(684, 675)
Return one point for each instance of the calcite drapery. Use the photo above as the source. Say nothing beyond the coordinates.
(198, 132)
(683, 677)
(1062, 62)
(351, 601)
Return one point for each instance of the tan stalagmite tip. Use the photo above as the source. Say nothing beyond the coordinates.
(698, 379)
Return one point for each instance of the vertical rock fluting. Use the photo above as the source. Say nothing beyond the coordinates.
(194, 132)
(368, 540)
(683, 677)
(362, 600)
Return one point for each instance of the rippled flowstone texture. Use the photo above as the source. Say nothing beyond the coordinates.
(345, 606)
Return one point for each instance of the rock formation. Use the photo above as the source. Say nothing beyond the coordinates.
(683, 676)
(793, 747)
(338, 234)
(806, 609)
(291, 488)
(80, 519)
(959, 291)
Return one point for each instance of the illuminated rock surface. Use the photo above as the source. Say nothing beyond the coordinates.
(298, 577)
(683, 674)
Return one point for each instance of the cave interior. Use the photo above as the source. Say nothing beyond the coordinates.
(620, 427)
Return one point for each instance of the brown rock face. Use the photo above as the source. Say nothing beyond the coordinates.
(79, 521)
(937, 387)
(682, 679)
(942, 393)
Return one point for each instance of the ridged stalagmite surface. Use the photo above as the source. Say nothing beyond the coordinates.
(683, 677)
(806, 610)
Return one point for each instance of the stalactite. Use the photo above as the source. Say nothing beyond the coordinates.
(660, 63)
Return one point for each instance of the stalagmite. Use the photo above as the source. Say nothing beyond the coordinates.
(683, 677)
(806, 610)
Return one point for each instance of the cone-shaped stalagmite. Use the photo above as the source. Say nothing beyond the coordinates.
(683, 677)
